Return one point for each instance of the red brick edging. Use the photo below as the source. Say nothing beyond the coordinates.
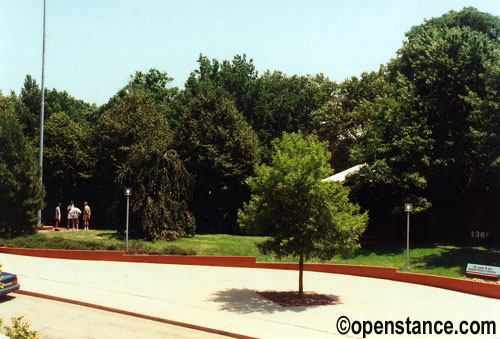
(459, 285)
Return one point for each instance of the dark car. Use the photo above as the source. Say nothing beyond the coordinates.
(8, 283)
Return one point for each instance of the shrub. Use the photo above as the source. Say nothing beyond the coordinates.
(19, 330)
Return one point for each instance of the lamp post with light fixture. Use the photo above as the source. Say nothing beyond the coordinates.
(408, 209)
(128, 194)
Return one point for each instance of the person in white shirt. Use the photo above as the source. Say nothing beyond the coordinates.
(70, 218)
(58, 216)
(75, 213)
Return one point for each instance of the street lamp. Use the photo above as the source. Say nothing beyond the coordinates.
(408, 209)
(128, 194)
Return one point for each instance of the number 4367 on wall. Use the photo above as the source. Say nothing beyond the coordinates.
(477, 234)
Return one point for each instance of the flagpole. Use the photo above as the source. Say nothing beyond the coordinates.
(42, 110)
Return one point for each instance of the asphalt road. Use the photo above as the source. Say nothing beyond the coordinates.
(59, 320)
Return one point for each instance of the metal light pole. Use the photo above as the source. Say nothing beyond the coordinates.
(408, 209)
(128, 193)
(42, 110)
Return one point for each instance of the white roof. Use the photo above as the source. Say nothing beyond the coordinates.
(342, 175)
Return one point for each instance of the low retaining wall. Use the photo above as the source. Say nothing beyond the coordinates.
(225, 261)
(459, 285)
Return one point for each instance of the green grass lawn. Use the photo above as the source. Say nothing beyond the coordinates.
(438, 259)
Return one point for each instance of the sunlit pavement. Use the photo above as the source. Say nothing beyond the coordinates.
(225, 299)
(61, 320)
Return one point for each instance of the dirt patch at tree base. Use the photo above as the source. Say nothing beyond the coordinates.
(291, 298)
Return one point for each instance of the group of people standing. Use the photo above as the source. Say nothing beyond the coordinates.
(73, 216)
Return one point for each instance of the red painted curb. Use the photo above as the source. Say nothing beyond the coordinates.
(455, 284)
(389, 273)
(224, 261)
(137, 315)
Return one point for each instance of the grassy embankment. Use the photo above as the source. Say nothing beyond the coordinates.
(443, 260)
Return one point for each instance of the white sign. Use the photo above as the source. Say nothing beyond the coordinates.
(483, 270)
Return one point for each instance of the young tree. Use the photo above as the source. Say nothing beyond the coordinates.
(21, 193)
(304, 216)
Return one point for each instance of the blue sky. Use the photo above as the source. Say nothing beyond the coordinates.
(94, 46)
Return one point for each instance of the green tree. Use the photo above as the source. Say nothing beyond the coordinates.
(452, 63)
(220, 149)
(271, 103)
(160, 185)
(238, 77)
(21, 193)
(343, 119)
(286, 103)
(395, 150)
(156, 83)
(78, 110)
(27, 107)
(433, 135)
(130, 141)
(135, 118)
(68, 161)
(304, 216)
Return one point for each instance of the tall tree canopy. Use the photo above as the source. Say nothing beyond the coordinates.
(21, 192)
(343, 119)
(271, 103)
(238, 77)
(220, 149)
(68, 161)
(157, 85)
(286, 103)
(28, 106)
(447, 130)
(130, 140)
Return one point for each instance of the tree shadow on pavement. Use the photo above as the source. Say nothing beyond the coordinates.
(244, 301)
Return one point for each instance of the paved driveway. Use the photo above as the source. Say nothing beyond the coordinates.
(60, 320)
(225, 298)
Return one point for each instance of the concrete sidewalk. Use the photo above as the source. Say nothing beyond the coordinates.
(225, 298)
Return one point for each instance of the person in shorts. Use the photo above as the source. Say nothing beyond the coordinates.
(86, 216)
(75, 214)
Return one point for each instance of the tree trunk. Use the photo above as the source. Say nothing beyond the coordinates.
(301, 273)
